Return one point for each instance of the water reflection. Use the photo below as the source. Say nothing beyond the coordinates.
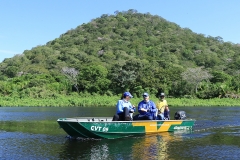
(34, 127)
(160, 146)
(155, 146)
(146, 147)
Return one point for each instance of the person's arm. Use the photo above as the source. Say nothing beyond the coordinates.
(153, 107)
(166, 106)
(132, 107)
(119, 107)
(141, 108)
(144, 110)
(165, 102)
(158, 105)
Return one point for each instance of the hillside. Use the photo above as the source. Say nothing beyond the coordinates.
(125, 51)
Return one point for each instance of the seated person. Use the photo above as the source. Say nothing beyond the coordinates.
(124, 108)
(146, 108)
(163, 110)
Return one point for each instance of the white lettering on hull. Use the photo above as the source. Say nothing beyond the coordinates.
(99, 129)
(182, 128)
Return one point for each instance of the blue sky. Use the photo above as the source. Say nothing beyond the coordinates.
(28, 23)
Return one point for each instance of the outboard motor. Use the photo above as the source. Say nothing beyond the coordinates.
(180, 115)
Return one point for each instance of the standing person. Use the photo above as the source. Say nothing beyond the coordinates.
(162, 106)
(124, 108)
(146, 108)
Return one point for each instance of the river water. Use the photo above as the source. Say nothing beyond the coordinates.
(28, 133)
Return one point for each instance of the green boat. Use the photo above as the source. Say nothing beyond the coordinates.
(104, 127)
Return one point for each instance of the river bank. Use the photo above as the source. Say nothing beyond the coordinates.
(106, 101)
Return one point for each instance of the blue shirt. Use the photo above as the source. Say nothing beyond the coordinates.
(123, 103)
(150, 105)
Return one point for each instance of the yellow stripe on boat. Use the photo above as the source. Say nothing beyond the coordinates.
(149, 126)
(167, 124)
(155, 126)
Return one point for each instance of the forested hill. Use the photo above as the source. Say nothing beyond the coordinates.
(125, 51)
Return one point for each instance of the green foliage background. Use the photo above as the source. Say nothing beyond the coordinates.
(126, 51)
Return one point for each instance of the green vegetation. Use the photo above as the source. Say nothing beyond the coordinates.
(126, 51)
(106, 101)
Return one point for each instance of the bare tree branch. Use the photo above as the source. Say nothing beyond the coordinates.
(195, 76)
(72, 74)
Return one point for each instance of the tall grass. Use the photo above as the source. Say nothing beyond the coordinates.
(106, 101)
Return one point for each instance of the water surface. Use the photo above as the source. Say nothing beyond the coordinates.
(33, 133)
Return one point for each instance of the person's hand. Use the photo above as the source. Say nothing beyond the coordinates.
(166, 108)
(144, 110)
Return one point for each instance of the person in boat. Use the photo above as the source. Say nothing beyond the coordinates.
(124, 108)
(146, 108)
(163, 110)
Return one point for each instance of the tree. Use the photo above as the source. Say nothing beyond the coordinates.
(11, 71)
(71, 74)
(195, 75)
(93, 79)
(127, 51)
(122, 78)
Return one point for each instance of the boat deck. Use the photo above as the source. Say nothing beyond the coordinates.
(104, 119)
(87, 119)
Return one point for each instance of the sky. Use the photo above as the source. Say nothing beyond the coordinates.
(26, 24)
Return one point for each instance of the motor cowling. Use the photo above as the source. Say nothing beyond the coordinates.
(180, 115)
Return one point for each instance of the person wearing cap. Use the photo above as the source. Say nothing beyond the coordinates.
(146, 108)
(162, 106)
(124, 108)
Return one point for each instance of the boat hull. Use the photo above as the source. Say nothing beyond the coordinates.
(106, 128)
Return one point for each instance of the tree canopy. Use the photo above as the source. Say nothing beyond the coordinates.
(125, 51)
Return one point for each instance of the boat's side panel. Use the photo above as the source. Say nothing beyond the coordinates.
(117, 129)
(74, 129)
(185, 125)
(165, 126)
(156, 126)
(113, 129)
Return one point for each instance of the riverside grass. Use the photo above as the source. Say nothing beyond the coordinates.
(108, 101)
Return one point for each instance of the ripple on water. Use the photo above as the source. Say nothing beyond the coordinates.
(215, 152)
(17, 145)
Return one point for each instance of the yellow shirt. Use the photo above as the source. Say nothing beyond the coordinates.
(161, 106)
